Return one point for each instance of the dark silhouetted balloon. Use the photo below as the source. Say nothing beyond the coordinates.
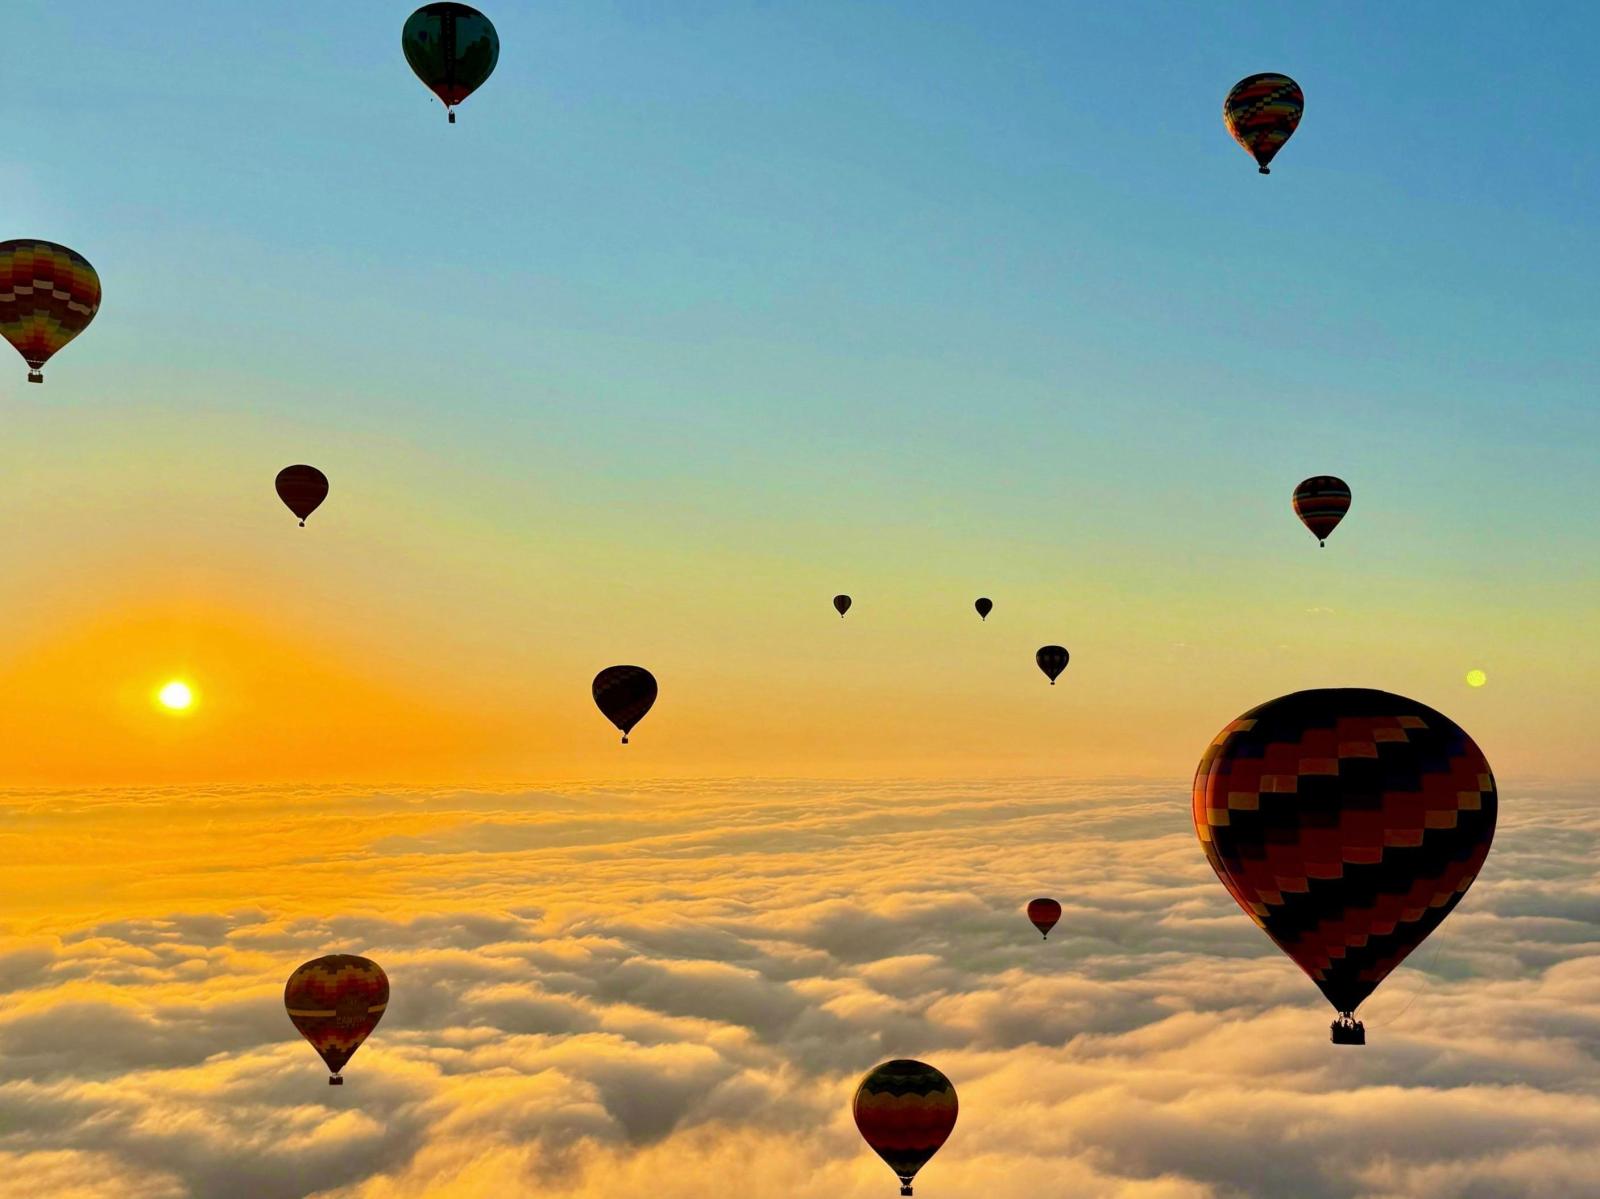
(1321, 502)
(302, 489)
(905, 1111)
(452, 48)
(1347, 823)
(1052, 659)
(624, 694)
(1261, 112)
(336, 1002)
(984, 607)
(1044, 913)
(48, 295)
(841, 604)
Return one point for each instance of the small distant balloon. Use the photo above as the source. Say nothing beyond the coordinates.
(1321, 502)
(1476, 678)
(336, 1002)
(453, 50)
(624, 694)
(905, 1110)
(302, 489)
(48, 295)
(1044, 912)
(841, 604)
(1052, 659)
(985, 605)
(1261, 112)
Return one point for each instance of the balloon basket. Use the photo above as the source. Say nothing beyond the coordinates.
(1347, 1030)
(905, 1190)
(35, 376)
(335, 1081)
(452, 118)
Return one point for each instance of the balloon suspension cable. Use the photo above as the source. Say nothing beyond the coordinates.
(35, 376)
(335, 1080)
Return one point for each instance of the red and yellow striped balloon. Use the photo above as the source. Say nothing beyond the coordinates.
(1262, 112)
(336, 1001)
(1321, 502)
(48, 295)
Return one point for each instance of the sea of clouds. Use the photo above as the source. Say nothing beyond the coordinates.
(671, 991)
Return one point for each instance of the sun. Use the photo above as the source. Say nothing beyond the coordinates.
(1476, 678)
(176, 696)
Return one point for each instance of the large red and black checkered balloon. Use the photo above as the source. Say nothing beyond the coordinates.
(1348, 824)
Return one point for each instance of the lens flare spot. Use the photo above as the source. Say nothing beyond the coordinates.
(176, 696)
(1476, 678)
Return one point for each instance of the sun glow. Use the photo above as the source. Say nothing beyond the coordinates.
(176, 696)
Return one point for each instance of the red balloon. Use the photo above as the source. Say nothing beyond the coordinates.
(1044, 913)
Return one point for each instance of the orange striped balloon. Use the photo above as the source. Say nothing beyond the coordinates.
(48, 295)
(336, 1001)
(905, 1110)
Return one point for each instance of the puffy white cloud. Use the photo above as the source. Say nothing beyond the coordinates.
(672, 990)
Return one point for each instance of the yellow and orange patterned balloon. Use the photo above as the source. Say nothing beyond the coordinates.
(336, 1001)
(48, 295)
(1261, 113)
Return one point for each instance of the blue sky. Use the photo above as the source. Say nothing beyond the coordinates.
(868, 287)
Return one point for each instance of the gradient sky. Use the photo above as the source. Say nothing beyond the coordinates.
(698, 317)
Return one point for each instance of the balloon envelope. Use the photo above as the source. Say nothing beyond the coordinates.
(1321, 502)
(1261, 112)
(452, 48)
(1347, 823)
(336, 1002)
(1044, 913)
(905, 1110)
(624, 694)
(48, 295)
(302, 489)
(1052, 659)
(984, 606)
(841, 604)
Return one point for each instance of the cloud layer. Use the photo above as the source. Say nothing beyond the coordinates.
(673, 990)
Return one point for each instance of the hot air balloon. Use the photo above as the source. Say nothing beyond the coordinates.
(984, 605)
(905, 1111)
(1052, 659)
(1321, 502)
(1347, 823)
(336, 1002)
(624, 694)
(452, 48)
(1261, 112)
(841, 604)
(302, 489)
(48, 295)
(1044, 913)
